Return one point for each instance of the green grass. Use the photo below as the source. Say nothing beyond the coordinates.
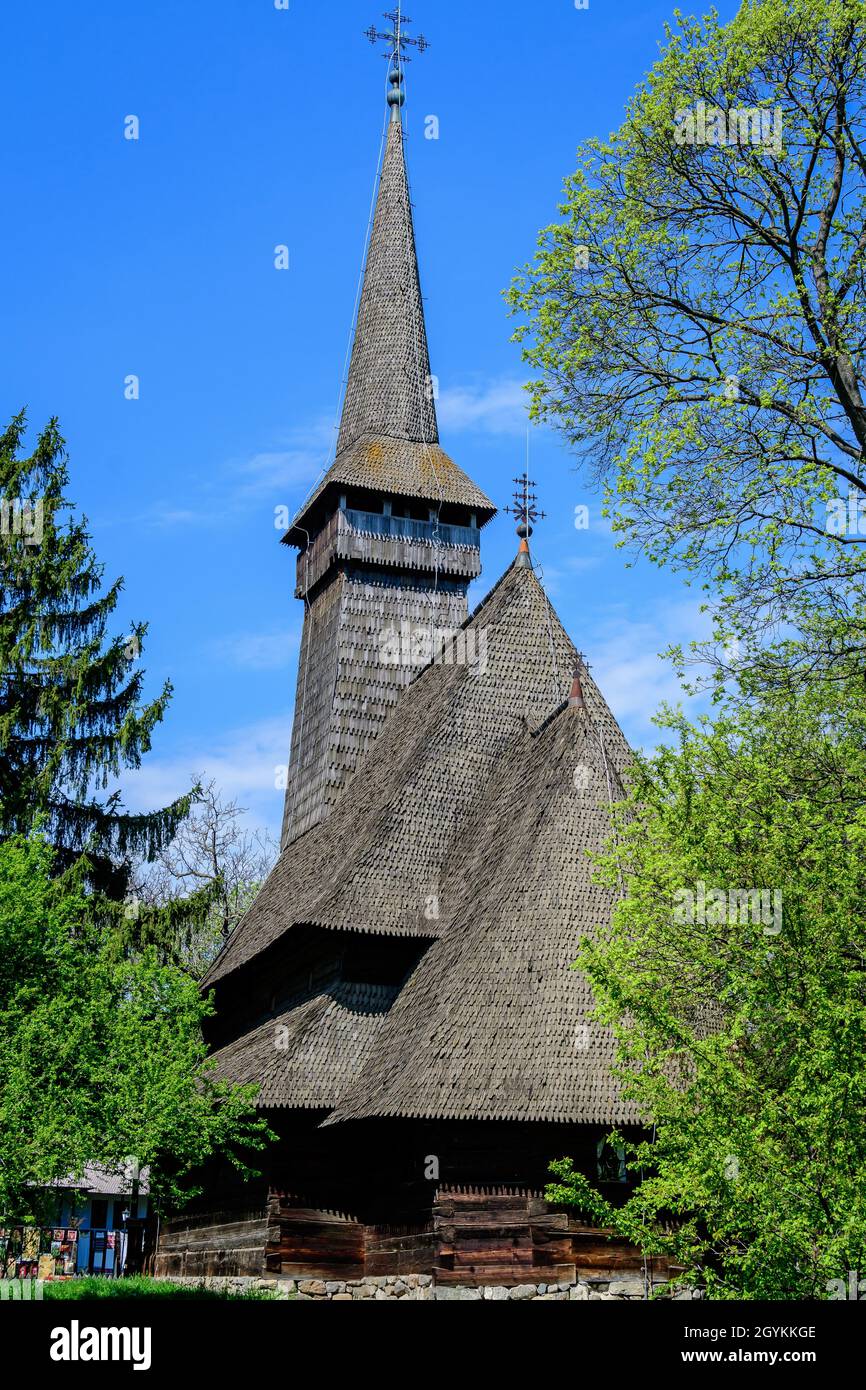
(140, 1287)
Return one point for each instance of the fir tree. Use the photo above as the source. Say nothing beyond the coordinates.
(71, 710)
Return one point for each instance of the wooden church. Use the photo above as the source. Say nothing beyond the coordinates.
(401, 989)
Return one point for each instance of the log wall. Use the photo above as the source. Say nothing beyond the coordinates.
(213, 1243)
(343, 1207)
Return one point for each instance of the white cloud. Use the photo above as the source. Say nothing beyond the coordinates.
(242, 762)
(623, 654)
(497, 407)
(293, 459)
(186, 516)
(578, 564)
(557, 578)
(257, 651)
(280, 469)
(283, 472)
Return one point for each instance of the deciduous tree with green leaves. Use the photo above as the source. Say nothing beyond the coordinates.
(741, 1020)
(697, 320)
(101, 1056)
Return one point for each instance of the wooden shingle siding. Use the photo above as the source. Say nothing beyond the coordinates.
(467, 826)
(389, 389)
(389, 434)
(345, 689)
(302, 1056)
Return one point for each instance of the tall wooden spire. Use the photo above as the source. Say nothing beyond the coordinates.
(389, 434)
(389, 389)
(390, 537)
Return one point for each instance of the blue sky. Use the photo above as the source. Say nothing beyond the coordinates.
(155, 257)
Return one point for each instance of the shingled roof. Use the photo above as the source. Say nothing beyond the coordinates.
(403, 467)
(469, 799)
(373, 864)
(388, 390)
(389, 435)
(303, 1055)
(494, 1024)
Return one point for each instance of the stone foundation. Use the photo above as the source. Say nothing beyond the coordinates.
(422, 1287)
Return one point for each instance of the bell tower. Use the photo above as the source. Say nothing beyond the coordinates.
(389, 539)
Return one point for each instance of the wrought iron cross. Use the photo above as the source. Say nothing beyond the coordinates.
(525, 508)
(396, 40)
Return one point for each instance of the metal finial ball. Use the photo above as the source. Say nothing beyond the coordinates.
(524, 531)
(396, 98)
(395, 76)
